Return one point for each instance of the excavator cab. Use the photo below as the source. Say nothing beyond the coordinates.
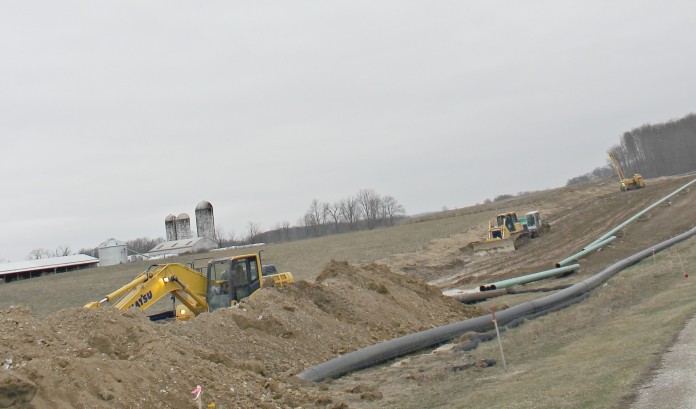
(232, 279)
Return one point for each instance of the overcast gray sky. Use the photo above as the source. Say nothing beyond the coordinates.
(114, 114)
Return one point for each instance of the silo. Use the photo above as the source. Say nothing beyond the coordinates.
(205, 223)
(170, 227)
(183, 226)
(112, 252)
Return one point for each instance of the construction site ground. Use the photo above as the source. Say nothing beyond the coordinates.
(354, 290)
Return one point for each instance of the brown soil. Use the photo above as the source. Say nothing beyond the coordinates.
(245, 357)
(242, 357)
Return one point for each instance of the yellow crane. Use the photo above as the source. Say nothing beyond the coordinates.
(636, 182)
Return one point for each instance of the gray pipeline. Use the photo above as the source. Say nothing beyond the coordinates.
(384, 351)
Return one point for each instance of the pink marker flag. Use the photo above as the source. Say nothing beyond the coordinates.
(196, 392)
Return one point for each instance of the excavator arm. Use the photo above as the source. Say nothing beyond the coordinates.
(187, 285)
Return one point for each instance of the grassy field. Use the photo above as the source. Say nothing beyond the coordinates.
(591, 355)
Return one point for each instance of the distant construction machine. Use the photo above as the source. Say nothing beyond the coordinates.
(509, 233)
(228, 280)
(636, 182)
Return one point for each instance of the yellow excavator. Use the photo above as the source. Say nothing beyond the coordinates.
(509, 233)
(636, 182)
(227, 281)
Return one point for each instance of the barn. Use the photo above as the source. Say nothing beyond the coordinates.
(35, 268)
(175, 247)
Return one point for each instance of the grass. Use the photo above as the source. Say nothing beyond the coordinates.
(590, 355)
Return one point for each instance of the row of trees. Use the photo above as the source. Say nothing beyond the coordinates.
(366, 209)
(367, 206)
(652, 150)
(40, 253)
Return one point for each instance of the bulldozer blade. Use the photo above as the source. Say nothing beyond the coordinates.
(484, 248)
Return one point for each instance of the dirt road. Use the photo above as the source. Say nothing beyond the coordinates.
(674, 382)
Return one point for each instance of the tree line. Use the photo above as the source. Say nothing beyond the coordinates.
(365, 209)
(652, 150)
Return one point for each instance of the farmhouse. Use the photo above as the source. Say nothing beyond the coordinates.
(36, 268)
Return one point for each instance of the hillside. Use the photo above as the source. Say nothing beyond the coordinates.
(57, 355)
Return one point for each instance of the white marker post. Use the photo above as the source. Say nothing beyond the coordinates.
(500, 342)
(657, 270)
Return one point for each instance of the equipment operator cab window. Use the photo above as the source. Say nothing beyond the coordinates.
(231, 280)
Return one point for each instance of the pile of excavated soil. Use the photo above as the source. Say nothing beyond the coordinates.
(242, 357)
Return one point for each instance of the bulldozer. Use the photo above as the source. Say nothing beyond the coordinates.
(636, 182)
(226, 282)
(509, 233)
(535, 225)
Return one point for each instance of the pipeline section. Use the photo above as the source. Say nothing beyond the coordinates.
(529, 278)
(592, 247)
(642, 212)
(384, 351)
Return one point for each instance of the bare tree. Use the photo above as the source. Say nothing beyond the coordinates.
(253, 232)
(350, 209)
(39, 253)
(391, 209)
(285, 230)
(334, 211)
(232, 238)
(369, 202)
(219, 235)
(141, 245)
(316, 217)
(62, 251)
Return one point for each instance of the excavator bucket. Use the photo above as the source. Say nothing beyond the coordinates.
(483, 248)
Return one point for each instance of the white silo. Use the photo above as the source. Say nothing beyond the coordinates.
(183, 226)
(170, 227)
(112, 252)
(205, 222)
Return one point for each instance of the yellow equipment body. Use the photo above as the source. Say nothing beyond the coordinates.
(636, 182)
(510, 233)
(228, 280)
(506, 235)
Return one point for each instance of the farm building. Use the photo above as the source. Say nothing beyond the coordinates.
(175, 247)
(112, 252)
(36, 268)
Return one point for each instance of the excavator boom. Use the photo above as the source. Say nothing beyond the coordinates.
(157, 282)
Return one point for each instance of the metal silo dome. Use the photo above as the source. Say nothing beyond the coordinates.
(204, 205)
(183, 226)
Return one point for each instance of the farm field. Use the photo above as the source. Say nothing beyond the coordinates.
(357, 289)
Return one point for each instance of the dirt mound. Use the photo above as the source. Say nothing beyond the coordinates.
(241, 357)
